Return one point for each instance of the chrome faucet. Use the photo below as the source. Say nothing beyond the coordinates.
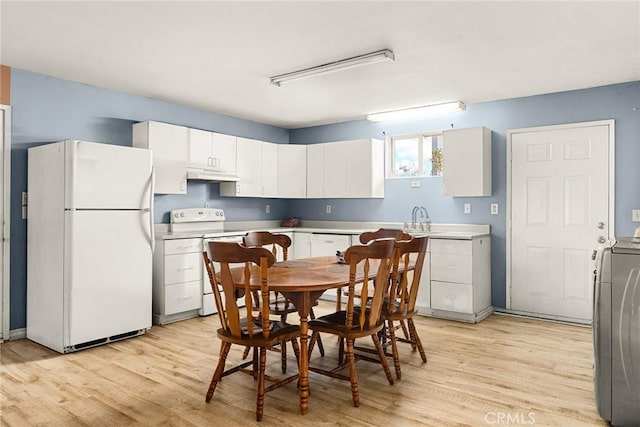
(414, 214)
(425, 223)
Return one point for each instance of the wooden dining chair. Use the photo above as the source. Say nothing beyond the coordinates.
(351, 323)
(278, 304)
(366, 237)
(384, 233)
(239, 326)
(403, 292)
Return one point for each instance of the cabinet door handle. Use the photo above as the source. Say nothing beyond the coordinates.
(185, 268)
(186, 297)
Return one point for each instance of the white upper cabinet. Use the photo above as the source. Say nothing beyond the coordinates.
(292, 171)
(346, 169)
(257, 170)
(212, 151)
(336, 167)
(269, 166)
(169, 146)
(466, 162)
(315, 171)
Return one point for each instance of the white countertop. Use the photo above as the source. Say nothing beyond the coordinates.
(438, 231)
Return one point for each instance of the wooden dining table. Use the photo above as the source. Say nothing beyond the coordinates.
(303, 281)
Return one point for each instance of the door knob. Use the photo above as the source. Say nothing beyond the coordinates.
(601, 225)
(601, 239)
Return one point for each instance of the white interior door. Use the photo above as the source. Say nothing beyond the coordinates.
(560, 208)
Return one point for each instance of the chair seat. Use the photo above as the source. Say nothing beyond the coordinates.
(279, 331)
(336, 323)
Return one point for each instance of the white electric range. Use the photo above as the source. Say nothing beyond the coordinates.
(209, 222)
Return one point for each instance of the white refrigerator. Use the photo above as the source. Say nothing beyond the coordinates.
(89, 244)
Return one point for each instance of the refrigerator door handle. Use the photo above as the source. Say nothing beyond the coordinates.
(151, 222)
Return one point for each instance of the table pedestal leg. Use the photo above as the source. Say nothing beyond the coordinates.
(303, 302)
(304, 364)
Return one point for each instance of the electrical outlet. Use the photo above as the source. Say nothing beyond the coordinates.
(25, 198)
(635, 215)
(494, 209)
(328, 209)
(467, 208)
(267, 209)
(24, 212)
(415, 184)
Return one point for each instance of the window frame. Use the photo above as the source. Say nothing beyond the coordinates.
(389, 148)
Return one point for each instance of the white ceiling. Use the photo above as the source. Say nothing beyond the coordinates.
(218, 56)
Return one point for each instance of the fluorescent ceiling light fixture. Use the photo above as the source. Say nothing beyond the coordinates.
(417, 112)
(356, 61)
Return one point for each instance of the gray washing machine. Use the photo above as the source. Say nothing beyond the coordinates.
(616, 332)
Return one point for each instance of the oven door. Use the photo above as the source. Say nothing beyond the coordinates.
(208, 301)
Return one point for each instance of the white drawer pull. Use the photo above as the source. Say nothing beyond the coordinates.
(185, 268)
(187, 297)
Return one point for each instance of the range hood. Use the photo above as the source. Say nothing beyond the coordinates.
(209, 175)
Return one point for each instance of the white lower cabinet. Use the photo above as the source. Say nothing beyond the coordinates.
(307, 245)
(177, 280)
(456, 283)
(301, 245)
(329, 244)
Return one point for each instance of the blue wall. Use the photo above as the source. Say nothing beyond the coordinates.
(620, 102)
(46, 109)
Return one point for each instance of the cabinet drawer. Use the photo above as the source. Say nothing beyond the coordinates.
(451, 268)
(182, 268)
(456, 297)
(328, 244)
(445, 246)
(182, 297)
(182, 246)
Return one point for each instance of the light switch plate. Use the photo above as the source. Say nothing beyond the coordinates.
(267, 209)
(467, 208)
(25, 198)
(415, 184)
(494, 209)
(635, 215)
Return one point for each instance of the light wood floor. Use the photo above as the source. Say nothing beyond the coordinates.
(502, 371)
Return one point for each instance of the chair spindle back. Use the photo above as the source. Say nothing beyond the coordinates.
(360, 256)
(255, 271)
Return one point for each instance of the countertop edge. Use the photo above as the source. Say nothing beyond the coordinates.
(439, 231)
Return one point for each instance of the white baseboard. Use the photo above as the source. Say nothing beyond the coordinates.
(17, 334)
(548, 318)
